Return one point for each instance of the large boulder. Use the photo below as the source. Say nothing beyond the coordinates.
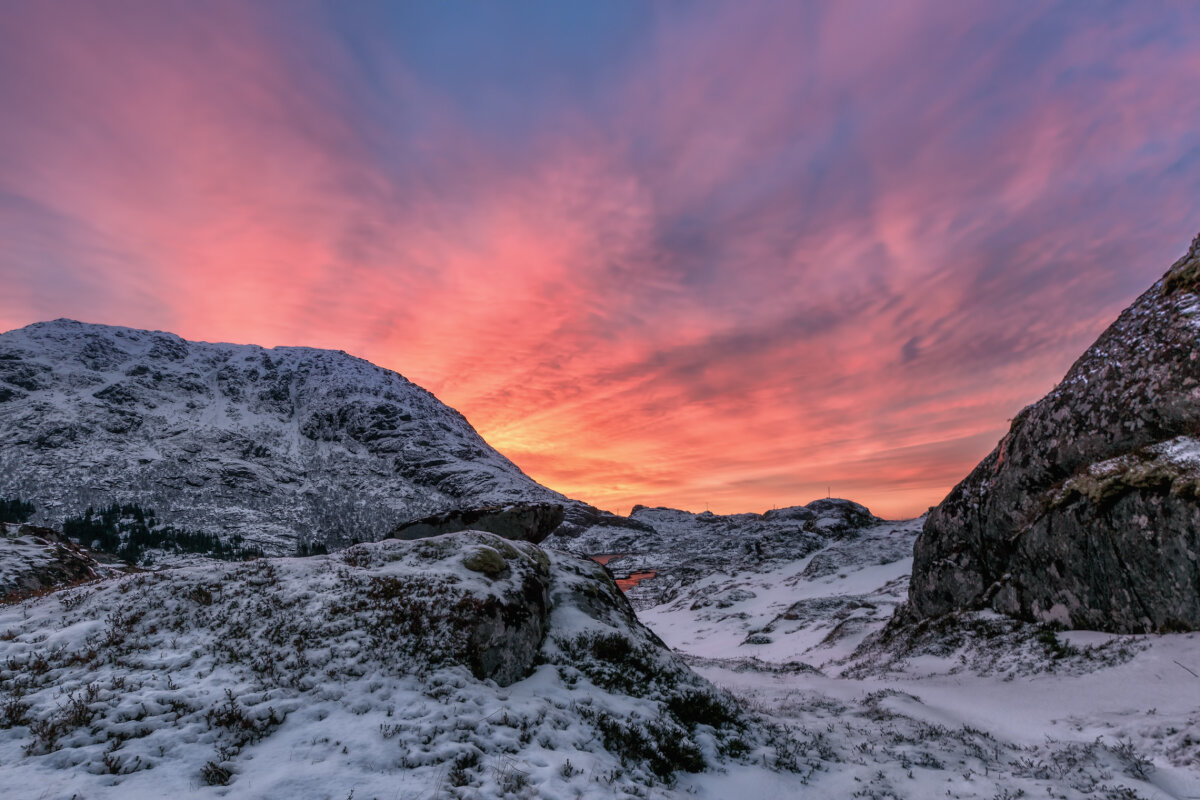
(392, 666)
(1086, 513)
(473, 599)
(522, 522)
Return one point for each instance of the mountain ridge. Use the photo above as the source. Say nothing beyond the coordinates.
(279, 445)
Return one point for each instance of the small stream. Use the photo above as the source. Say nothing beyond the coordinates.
(624, 582)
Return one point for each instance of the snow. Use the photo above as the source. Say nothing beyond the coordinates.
(811, 610)
(681, 547)
(988, 708)
(274, 678)
(1046, 734)
(1182, 450)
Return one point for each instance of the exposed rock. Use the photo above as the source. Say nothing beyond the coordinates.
(522, 522)
(34, 559)
(580, 518)
(486, 560)
(416, 597)
(1086, 513)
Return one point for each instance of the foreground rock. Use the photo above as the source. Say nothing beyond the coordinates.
(466, 660)
(522, 522)
(1087, 512)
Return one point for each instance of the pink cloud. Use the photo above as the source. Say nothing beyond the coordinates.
(820, 246)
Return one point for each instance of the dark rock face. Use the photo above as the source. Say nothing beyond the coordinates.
(523, 522)
(1087, 513)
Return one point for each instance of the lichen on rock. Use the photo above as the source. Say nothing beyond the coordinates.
(1086, 513)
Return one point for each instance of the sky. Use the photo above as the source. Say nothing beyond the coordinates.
(731, 256)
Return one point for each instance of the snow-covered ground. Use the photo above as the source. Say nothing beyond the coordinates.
(809, 610)
(976, 707)
(1127, 730)
(360, 674)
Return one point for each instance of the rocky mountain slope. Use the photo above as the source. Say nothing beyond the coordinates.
(1087, 513)
(277, 446)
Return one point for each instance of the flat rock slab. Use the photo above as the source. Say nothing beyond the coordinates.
(522, 522)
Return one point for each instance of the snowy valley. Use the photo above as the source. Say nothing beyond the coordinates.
(467, 665)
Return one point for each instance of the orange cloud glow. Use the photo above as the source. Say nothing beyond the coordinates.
(731, 262)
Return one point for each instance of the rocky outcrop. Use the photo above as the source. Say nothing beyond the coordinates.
(1087, 513)
(35, 560)
(472, 598)
(522, 522)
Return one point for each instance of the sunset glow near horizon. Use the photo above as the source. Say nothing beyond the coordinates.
(717, 255)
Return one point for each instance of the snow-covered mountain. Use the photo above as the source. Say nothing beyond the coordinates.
(672, 549)
(274, 445)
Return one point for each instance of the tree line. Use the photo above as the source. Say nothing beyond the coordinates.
(15, 510)
(127, 531)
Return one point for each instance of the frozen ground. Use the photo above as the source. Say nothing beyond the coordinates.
(353, 675)
(460, 666)
(977, 707)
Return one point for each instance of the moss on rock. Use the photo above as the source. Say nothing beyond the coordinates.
(487, 560)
